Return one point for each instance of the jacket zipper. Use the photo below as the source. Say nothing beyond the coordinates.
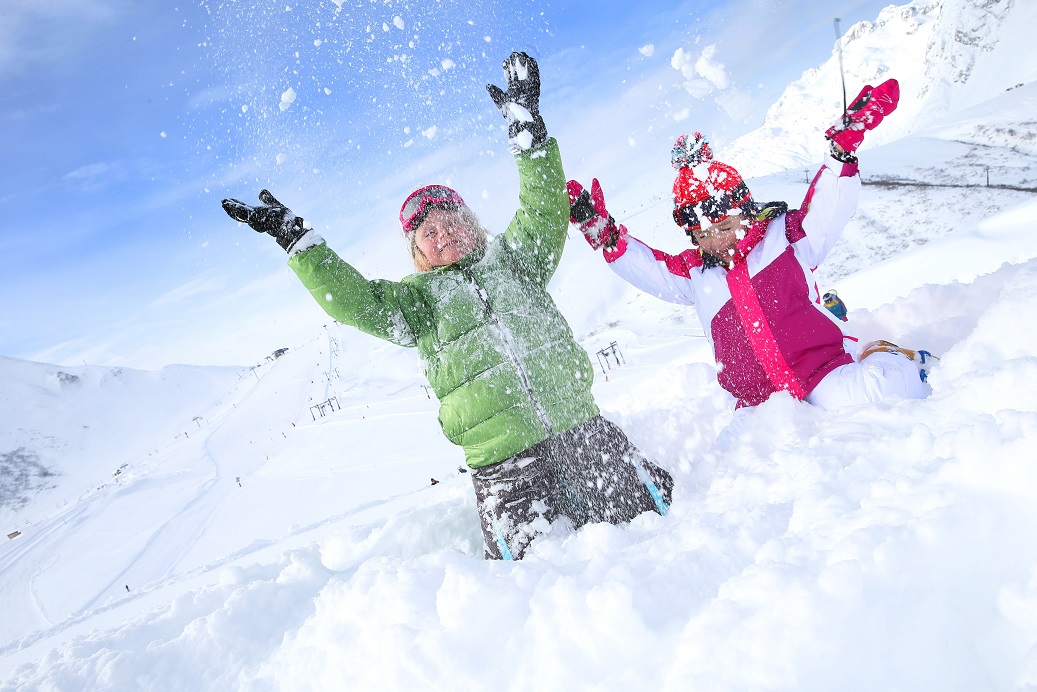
(509, 349)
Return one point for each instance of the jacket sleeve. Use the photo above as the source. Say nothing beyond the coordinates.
(830, 204)
(664, 276)
(537, 231)
(373, 307)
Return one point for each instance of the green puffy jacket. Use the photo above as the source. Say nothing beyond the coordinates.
(500, 357)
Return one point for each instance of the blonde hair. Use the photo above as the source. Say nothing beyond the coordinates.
(421, 263)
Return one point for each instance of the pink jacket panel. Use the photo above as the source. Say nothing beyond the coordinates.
(810, 342)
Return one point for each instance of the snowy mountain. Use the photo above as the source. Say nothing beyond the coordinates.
(949, 56)
(72, 426)
(276, 528)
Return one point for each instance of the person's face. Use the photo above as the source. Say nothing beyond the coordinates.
(720, 239)
(444, 238)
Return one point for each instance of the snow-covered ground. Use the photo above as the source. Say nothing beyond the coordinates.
(208, 528)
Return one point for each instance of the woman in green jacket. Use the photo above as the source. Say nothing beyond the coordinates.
(514, 386)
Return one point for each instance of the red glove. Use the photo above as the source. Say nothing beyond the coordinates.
(588, 213)
(864, 113)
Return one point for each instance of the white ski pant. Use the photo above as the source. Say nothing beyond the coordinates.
(877, 377)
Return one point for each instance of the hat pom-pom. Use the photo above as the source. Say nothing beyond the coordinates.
(691, 150)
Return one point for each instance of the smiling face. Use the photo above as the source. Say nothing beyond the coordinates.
(444, 237)
(720, 239)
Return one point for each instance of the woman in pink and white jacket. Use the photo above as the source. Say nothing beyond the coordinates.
(750, 278)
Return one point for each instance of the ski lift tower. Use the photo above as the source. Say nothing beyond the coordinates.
(607, 355)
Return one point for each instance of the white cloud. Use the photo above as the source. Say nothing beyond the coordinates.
(679, 60)
(210, 285)
(702, 75)
(647, 50)
(715, 72)
(94, 177)
(699, 88)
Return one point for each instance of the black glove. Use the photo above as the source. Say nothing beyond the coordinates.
(520, 104)
(272, 217)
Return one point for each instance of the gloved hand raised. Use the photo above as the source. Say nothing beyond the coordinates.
(864, 113)
(588, 213)
(520, 104)
(271, 217)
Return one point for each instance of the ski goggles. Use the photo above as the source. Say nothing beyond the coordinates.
(423, 200)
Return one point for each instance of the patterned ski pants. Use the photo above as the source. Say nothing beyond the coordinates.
(591, 473)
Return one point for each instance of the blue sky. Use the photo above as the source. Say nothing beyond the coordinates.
(124, 124)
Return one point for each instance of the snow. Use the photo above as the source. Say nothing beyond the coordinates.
(267, 546)
(287, 99)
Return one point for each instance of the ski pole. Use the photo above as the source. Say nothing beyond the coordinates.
(839, 49)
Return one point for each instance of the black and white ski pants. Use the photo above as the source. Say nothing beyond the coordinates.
(591, 473)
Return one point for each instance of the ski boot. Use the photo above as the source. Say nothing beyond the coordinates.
(923, 360)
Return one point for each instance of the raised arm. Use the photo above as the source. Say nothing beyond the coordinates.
(537, 231)
(378, 308)
(830, 203)
(833, 195)
(374, 307)
(663, 275)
